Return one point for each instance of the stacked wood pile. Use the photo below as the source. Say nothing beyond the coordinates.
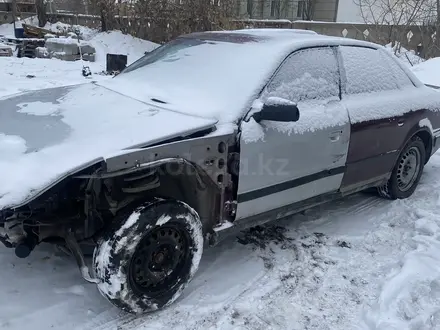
(31, 31)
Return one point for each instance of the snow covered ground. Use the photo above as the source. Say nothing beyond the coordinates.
(360, 263)
(26, 74)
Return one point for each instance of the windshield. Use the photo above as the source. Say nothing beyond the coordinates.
(164, 53)
(212, 75)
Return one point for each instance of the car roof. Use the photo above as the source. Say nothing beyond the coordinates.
(286, 38)
(276, 32)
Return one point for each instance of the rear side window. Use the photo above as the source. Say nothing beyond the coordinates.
(370, 70)
(401, 77)
(310, 74)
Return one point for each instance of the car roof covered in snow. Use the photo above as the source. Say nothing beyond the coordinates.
(287, 39)
(215, 74)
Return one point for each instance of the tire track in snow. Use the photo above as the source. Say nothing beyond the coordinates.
(106, 319)
(305, 284)
(194, 297)
(351, 205)
(23, 321)
(179, 309)
(326, 289)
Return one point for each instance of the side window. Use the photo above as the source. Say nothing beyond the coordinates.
(310, 74)
(399, 74)
(369, 70)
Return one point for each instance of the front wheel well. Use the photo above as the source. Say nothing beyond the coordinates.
(426, 138)
(176, 180)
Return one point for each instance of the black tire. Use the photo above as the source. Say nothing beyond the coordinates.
(411, 161)
(126, 258)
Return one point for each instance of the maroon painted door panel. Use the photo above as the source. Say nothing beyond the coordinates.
(385, 107)
(375, 146)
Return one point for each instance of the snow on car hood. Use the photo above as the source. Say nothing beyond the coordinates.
(47, 133)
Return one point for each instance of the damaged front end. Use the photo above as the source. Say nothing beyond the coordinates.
(82, 205)
(47, 216)
(7, 235)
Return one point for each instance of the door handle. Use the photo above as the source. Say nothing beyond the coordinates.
(400, 123)
(335, 136)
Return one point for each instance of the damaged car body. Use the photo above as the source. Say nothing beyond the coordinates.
(150, 176)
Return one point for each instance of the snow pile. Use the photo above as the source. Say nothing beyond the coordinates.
(24, 74)
(85, 32)
(63, 41)
(6, 30)
(410, 297)
(115, 42)
(409, 57)
(429, 71)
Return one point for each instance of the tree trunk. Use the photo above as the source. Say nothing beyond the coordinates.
(14, 11)
(41, 12)
(103, 21)
(86, 7)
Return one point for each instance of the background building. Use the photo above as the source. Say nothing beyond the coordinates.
(318, 10)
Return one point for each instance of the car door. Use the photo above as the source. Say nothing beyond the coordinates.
(284, 163)
(378, 95)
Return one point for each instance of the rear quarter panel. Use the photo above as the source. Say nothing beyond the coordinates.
(378, 132)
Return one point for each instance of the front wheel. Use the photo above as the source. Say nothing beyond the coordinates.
(407, 171)
(146, 261)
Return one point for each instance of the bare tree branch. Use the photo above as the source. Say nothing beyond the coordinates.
(391, 20)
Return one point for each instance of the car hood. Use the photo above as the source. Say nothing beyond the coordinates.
(47, 133)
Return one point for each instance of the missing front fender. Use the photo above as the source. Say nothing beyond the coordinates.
(74, 247)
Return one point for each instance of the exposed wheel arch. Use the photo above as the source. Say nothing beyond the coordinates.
(171, 179)
(195, 189)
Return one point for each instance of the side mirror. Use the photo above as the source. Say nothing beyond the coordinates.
(278, 109)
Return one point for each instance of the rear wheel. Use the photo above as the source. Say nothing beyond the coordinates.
(407, 171)
(146, 261)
